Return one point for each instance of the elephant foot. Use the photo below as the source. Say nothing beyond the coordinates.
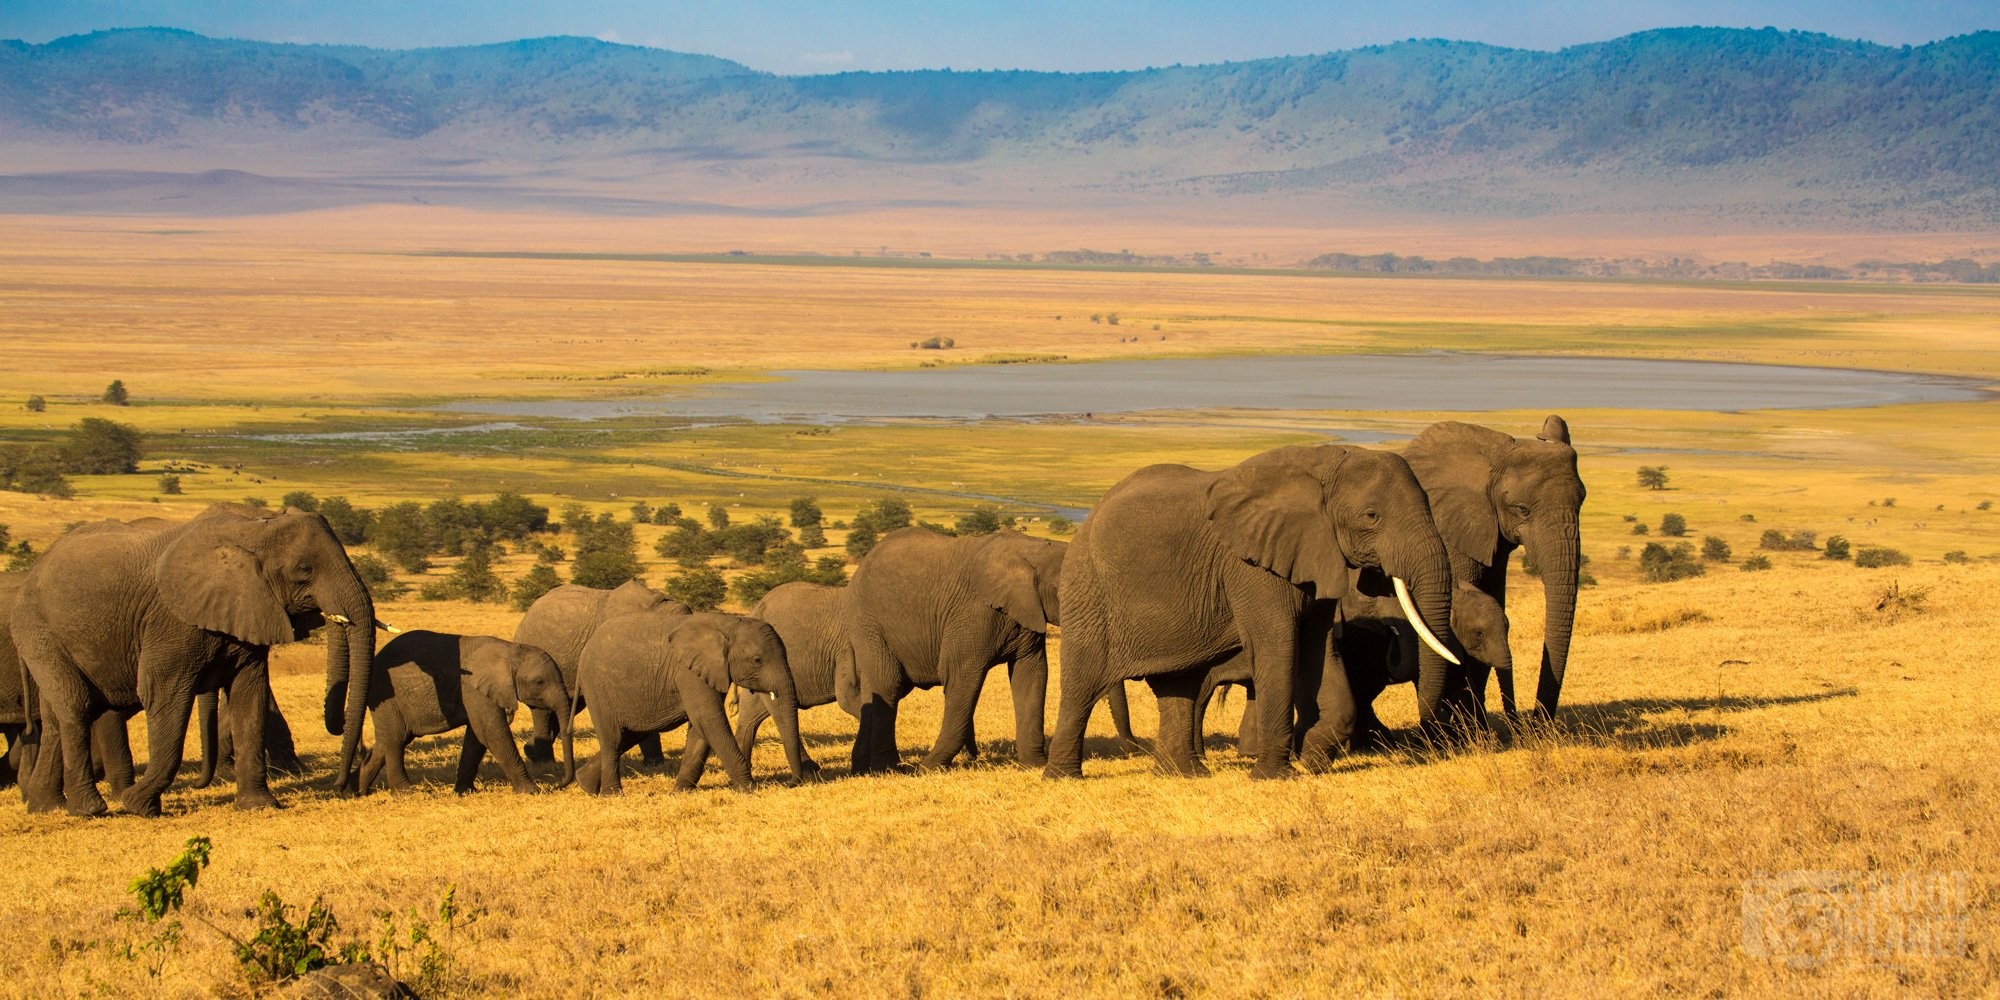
(652, 759)
(253, 801)
(1279, 771)
(291, 767)
(539, 753)
(743, 787)
(1181, 768)
(1058, 772)
(1032, 760)
(137, 803)
(86, 805)
(201, 782)
(527, 788)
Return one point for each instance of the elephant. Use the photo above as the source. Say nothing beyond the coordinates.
(428, 683)
(126, 617)
(652, 671)
(1491, 493)
(931, 609)
(213, 723)
(560, 622)
(811, 620)
(1178, 570)
(1375, 651)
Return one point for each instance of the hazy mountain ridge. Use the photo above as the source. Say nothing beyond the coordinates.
(1805, 122)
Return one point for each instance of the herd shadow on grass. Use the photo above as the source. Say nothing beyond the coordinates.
(1627, 723)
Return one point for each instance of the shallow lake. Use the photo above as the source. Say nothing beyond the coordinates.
(1437, 381)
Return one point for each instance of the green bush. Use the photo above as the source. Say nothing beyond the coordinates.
(1756, 564)
(1797, 541)
(718, 517)
(170, 484)
(399, 533)
(806, 512)
(23, 557)
(1060, 525)
(471, 580)
(1715, 549)
(115, 394)
(701, 588)
(1876, 557)
(1836, 548)
(540, 579)
(100, 447)
(1653, 477)
(512, 516)
(982, 521)
(812, 536)
(576, 516)
(607, 554)
(300, 499)
(37, 404)
(1673, 525)
(1957, 556)
(1660, 564)
(642, 512)
(349, 523)
(787, 564)
(861, 539)
(1640, 528)
(382, 583)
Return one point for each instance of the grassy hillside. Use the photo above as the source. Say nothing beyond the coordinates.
(1789, 123)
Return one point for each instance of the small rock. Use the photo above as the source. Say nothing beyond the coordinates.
(356, 981)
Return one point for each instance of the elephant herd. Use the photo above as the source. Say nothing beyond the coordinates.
(1312, 576)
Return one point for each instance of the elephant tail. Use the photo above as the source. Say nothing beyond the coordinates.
(336, 708)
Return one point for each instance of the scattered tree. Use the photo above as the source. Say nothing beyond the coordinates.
(300, 499)
(718, 516)
(576, 517)
(1653, 477)
(540, 579)
(1660, 564)
(349, 523)
(170, 484)
(642, 513)
(806, 512)
(116, 395)
(1060, 525)
(982, 521)
(1797, 541)
(100, 447)
(666, 513)
(1715, 549)
(607, 554)
(511, 516)
(37, 404)
(1875, 557)
(1673, 525)
(399, 534)
(701, 588)
(861, 538)
(1836, 548)
(1639, 528)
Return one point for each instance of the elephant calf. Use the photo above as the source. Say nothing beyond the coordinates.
(428, 683)
(654, 671)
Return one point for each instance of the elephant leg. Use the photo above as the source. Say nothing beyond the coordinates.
(612, 742)
(1505, 678)
(60, 775)
(541, 746)
(1085, 666)
(694, 754)
(961, 699)
(371, 768)
(1332, 731)
(250, 700)
(392, 737)
(707, 716)
(471, 751)
(112, 746)
(1269, 640)
(1173, 749)
(1121, 718)
(486, 724)
(752, 708)
(875, 742)
(166, 689)
(650, 753)
(281, 751)
(204, 710)
(1028, 678)
(1246, 728)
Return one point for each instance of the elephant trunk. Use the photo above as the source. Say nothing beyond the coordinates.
(1559, 552)
(1426, 591)
(350, 659)
(785, 712)
(567, 718)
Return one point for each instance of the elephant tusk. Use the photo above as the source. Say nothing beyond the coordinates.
(1417, 622)
(338, 619)
(386, 627)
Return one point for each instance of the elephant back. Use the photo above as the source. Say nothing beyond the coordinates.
(13, 707)
(810, 621)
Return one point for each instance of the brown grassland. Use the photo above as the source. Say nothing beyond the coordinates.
(1813, 717)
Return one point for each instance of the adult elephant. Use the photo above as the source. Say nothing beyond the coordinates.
(1179, 570)
(655, 671)
(117, 617)
(561, 622)
(1491, 493)
(929, 610)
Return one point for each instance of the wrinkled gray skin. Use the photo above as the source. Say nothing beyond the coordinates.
(811, 620)
(653, 671)
(560, 622)
(428, 683)
(119, 618)
(1179, 570)
(929, 610)
(1491, 493)
(1376, 650)
(218, 740)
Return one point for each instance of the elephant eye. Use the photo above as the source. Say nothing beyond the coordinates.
(1371, 515)
(1521, 511)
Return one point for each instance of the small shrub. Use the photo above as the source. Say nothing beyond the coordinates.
(1660, 564)
(1673, 525)
(1750, 518)
(1797, 541)
(258, 502)
(1640, 528)
(300, 499)
(23, 557)
(806, 513)
(160, 893)
(1876, 557)
(1893, 602)
(667, 513)
(37, 404)
(1715, 549)
(642, 512)
(540, 579)
(812, 536)
(282, 950)
(701, 588)
(1984, 505)
(1060, 525)
(607, 554)
(170, 484)
(983, 521)
(1624, 552)
(1957, 556)
(382, 584)
(1889, 502)
(1836, 548)
(718, 516)
(1756, 564)
(1629, 518)
(115, 394)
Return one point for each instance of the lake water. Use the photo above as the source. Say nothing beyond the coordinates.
(1437, 381)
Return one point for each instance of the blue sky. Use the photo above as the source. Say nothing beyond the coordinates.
(819, 36)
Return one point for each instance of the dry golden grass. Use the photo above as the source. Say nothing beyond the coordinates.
(1714, 729)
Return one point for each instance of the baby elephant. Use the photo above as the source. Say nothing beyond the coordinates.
(427, 683)
(653, 671)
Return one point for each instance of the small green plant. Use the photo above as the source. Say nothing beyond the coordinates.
(282, 950)
(1957, 557)
(1797, 541)
(170, 484)
(424, 940)
(1673, 525)
(160, 893)
(1893, 602)
(1836, 548)
(1756, 564)
(1715, 549)
(1876, 557)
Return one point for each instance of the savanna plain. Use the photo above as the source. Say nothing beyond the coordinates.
(1717, 731)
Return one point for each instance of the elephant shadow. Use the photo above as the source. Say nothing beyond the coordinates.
(1624, 722)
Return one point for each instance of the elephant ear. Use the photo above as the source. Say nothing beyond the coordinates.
(700, 648)
(1555, 430)
(1271, 510)
(213, 583)
(490, 673)
(1466, 522)
(1011, 585)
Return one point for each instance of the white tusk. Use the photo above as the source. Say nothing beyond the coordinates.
(1417, 622)
(386, 627)
(338, 619)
